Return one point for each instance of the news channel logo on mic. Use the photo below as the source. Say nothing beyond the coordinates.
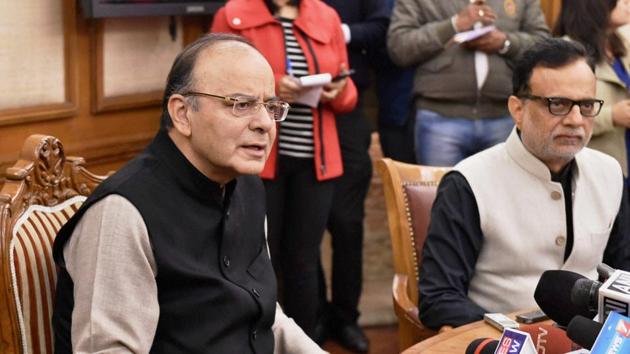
(614, 295)
(514, 341)
(614, 337)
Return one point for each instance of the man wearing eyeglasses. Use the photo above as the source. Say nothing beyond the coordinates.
(539, 201)
(169, 254)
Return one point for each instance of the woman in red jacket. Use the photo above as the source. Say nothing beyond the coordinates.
(298, 37)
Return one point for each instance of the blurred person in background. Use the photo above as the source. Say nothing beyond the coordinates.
(364, 25)
(460, 90)
(595, 24)
(298, 38)
(396, 112)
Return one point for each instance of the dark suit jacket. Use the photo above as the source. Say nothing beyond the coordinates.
(368, 21)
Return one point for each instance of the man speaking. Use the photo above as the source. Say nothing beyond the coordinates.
(169, 254)
(539, 201)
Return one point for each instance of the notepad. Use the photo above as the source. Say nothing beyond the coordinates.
(466, 36)
(313, 85)
(315, 80)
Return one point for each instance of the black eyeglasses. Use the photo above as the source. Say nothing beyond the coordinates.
(246, 106)
(561, 106)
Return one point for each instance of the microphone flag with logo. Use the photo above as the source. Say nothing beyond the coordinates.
(549, 339)
(514, 341)
(614, 295)
(614, 337)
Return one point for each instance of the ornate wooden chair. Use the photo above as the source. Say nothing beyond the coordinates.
(409, 194)
(42, 191)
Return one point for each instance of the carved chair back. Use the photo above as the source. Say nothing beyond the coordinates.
(43, 189)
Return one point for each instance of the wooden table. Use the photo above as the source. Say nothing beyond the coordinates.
(456, 340)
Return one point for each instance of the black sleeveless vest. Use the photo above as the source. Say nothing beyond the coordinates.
(216, 286)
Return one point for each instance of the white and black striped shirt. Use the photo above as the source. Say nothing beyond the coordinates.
(296, 132)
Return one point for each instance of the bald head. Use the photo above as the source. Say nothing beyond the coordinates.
(217, 66)
(181, 78)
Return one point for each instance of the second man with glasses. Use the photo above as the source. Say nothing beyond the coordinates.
(539, 201)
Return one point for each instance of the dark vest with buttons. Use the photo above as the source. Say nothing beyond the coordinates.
(216, 286)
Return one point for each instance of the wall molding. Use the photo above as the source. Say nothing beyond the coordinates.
(55, 110)
(104, 40)
(110, 150)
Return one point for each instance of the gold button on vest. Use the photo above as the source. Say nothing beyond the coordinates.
(555, 195)
(560, 240)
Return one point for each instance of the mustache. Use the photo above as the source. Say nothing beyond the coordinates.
(578, 132)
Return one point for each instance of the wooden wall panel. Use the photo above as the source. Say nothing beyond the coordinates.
(106, 140)
(121, 49)
(39, 76)
(109, 138)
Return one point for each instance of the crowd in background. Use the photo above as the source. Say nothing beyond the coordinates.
(439, 101)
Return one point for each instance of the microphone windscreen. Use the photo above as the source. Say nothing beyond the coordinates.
(553, 339)
(584, 293)
(553, 295)
(482, 346)
(583, 331)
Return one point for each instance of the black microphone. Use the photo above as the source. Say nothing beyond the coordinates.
(612, 295)
(585, 294)
(604, 271)
(553, 296)
(583, 331)
(482, 346)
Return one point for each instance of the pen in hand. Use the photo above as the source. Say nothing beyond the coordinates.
(288, 85)
(289, 67)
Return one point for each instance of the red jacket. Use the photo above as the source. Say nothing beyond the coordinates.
(320, 26)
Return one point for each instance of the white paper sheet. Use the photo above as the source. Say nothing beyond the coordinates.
(466, 36)
(313, 86)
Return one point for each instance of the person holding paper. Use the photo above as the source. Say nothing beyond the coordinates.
(460, 90)
(298, 38)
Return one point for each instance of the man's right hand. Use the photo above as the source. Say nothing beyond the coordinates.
(473, 13)
(621, 114)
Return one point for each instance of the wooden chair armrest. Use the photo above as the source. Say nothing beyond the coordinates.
(403, 306)
(445, 328)
(405, 309)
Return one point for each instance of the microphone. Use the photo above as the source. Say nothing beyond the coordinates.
(514, 341)
(614, 295)
(614, 338)
(583, 331)
(585, 293)
(482, 346)
(553, 296)
(549, 339)
(544, 339)
(604, 271)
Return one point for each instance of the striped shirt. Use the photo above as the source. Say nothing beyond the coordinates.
(296, 132)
